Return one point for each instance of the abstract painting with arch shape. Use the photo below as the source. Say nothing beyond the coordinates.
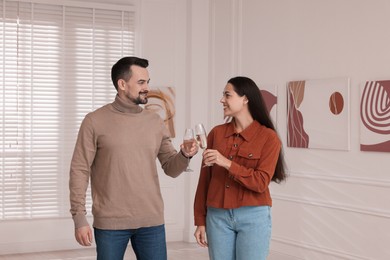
(318, 114)
(270, 99)
(375, 116)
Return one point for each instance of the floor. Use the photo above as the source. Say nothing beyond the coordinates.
(176, 251)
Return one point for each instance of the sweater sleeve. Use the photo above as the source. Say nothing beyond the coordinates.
(80, 170)
(172, 162)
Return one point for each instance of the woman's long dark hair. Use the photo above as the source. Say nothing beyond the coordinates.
(244, 86)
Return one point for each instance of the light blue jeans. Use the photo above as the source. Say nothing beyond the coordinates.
(239, 234)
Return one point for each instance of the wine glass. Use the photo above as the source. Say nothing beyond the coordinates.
(188, 140)
(201, 136)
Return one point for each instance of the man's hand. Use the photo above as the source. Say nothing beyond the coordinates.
(189, 151)
(200, 235)
(84, 235)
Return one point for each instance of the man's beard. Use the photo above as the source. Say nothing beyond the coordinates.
(141, 101)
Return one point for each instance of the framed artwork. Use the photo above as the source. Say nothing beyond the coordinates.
(318, 114)
(375, 116)
(162, 101)
(270, 98)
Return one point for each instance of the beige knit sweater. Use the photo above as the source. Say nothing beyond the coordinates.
(117, 148)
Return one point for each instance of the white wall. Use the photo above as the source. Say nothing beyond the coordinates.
(335, 204)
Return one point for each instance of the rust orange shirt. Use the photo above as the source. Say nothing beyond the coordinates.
(254, 153)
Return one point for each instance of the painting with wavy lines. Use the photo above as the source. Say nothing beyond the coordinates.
(162, 101)
(375, 116)
(318, 114)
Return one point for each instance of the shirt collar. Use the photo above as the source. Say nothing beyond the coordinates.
(247, 134)
(126, 106)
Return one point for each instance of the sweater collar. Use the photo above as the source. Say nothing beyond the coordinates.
(126, 106)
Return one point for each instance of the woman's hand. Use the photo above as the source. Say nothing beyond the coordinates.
(211, 156)
(200, 235)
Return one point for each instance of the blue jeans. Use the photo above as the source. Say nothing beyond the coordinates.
(239, 234)
(148, 243)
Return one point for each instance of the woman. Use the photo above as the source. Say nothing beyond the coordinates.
(232, 201)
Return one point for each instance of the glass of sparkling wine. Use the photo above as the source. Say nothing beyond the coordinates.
(201, 136)
(188, 140)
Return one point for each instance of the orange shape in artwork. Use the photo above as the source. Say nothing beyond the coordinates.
(336, 103)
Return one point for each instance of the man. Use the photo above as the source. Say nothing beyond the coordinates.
(116, 148)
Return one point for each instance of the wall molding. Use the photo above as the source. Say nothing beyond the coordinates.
(236, 36)
(383, 183)
(332, 205)
(319, 249)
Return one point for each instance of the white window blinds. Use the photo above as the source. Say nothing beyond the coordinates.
(55, 64)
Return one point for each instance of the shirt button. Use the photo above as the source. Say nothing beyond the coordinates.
(235, 145)
(227, 186)
(230, 157)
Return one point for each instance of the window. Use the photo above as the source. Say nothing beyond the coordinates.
(55, 64)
